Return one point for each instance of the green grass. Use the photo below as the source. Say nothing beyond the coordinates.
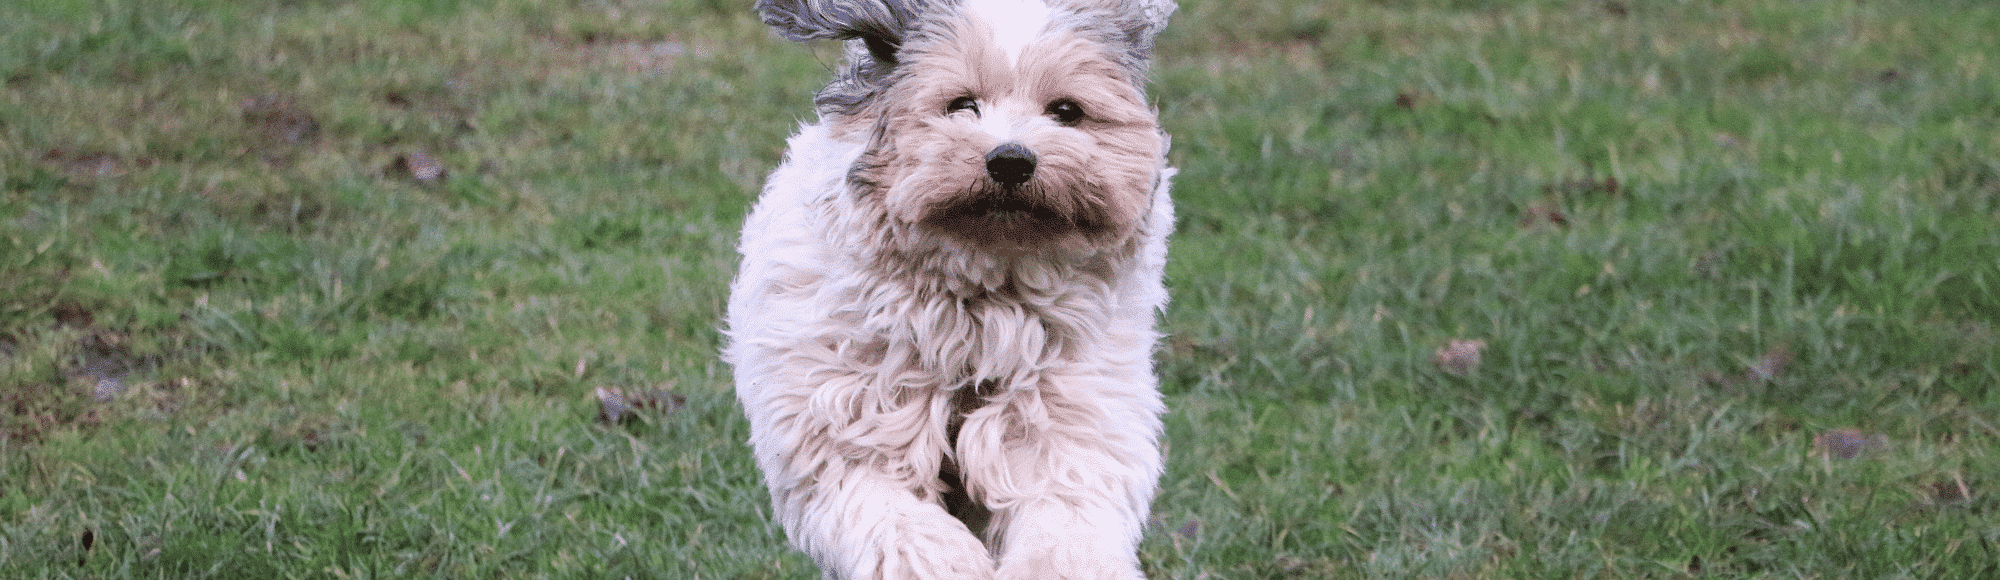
(1701, 241)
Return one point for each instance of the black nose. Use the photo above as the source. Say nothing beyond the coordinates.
(1010, 164)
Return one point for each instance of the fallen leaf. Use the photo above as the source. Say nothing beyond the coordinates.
(1460, 357)
(1770, 364)
(1406, 101)
(1951, 491)
(617, 406)
(1848, 443)
(419, 165)
(611, 405)
(281, 118)
(1190, 529)
(1543, 212)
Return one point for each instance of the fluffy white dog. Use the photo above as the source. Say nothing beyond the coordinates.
(943, 327)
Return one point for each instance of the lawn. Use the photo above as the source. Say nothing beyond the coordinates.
(1462, 289)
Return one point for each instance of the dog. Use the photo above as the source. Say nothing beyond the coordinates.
(943, 326)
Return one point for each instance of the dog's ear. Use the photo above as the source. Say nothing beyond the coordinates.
(880, 24)
(1149, 17)
(1156, 13)
(1134, 23)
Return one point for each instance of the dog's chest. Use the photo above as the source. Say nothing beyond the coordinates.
(952, 344)
(1006, 337)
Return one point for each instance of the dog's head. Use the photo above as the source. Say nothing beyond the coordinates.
(1012, 126)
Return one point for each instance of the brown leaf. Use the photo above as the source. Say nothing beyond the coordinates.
(1771, 364)
(281, 118)
(1540, 212)
(1190, 529)
(419, 165)
(1406, 101)
(1848, 443)
(611, 405)
(69, 314)
(1460, 357)
(617, 406)
(1951, 491)
(1557, 217)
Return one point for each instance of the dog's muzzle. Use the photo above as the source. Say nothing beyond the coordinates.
(1010, 164)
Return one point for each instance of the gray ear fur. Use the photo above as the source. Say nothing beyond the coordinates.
(1156, 13)
(1147, 19)
(880, 24)
(1130, 25)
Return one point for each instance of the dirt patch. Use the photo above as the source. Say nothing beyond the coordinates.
(66, 375)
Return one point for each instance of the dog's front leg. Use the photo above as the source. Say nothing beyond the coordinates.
(859, 509)
(1072, 486)
(866, 528)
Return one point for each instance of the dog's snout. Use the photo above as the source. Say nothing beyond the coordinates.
(1010, 164)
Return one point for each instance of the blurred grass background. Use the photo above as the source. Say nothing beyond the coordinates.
(1463, 289)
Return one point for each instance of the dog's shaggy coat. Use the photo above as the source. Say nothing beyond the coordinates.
(943, 326)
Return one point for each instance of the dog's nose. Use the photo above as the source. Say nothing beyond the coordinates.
(1010, 164)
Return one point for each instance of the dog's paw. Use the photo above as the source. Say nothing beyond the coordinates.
(1072, 553)
(937, 562)
(1089, 567)
(921, 548)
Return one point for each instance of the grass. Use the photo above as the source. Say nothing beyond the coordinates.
(1735, 267)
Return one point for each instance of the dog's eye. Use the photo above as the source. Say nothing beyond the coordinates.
(962, 104)
(1066, 111)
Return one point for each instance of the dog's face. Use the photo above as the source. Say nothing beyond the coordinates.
(1011, 131)
(1009, 126)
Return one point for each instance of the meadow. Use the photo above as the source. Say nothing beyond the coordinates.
(1462, 288)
